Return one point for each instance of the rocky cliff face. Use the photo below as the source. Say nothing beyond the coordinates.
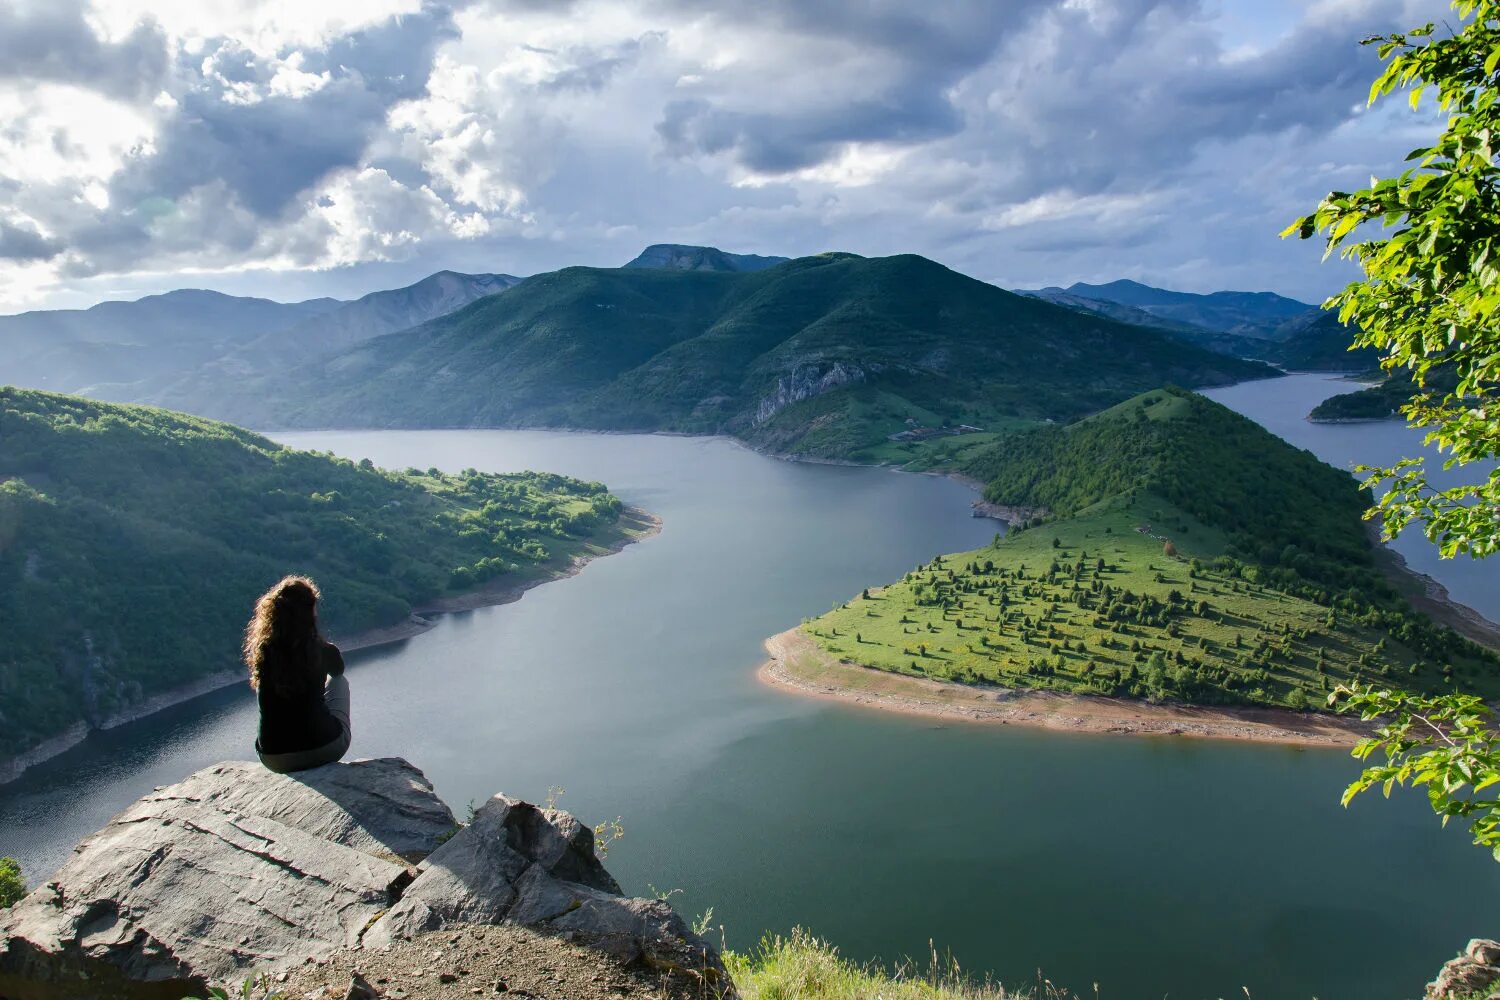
(807, 380)
(237, 871)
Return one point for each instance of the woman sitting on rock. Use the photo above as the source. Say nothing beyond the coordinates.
(298, 678)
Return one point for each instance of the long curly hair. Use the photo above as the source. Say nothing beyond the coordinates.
(282, 637)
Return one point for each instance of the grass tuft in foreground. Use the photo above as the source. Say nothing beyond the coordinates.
(805, 967)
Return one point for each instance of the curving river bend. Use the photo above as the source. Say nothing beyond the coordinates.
(1149, 866)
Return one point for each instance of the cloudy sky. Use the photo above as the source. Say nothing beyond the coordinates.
(293, 148)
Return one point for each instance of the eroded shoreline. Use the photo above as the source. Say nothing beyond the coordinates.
(637, 524)
(797, 664)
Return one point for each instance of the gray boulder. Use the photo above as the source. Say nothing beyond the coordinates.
(237, 870)
(537, 867)
(384, 807)
(232, 870)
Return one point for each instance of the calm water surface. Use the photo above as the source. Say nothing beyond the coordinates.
(1282, 405)
(1154, 867)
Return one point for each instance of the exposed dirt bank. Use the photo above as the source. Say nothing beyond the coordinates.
(488, 961)
(798, 664)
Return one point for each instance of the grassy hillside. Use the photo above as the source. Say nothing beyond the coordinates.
(827, 355)
(133, 542)
(1190, 555)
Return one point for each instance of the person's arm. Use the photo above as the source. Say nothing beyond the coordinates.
(333, 660)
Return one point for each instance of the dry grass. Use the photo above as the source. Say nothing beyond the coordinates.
(804, 967)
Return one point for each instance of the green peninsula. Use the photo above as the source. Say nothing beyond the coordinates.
(133, 542)
(1185, 554)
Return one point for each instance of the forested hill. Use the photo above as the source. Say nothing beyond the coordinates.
(1188, 554)
(1266, 501)
(133, 542)
(825, 355)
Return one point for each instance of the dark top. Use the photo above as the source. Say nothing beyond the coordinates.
(301, 721)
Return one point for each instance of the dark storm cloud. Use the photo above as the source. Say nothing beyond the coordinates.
(52, 42)
(268, 151)
(771, 142)
(1024, 141)
(1135, 95)
(1067, 95)
(926, 48)
(25, 243)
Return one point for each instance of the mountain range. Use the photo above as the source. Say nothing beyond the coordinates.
(115, 344)
(1261, 325)
(327, 333)
(138, 351)
(826, 356)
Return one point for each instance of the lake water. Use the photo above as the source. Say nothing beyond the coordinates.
(1282, 405)
(1152, 866)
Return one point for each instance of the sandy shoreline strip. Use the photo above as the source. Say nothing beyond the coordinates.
(637, 523)
(799, 665)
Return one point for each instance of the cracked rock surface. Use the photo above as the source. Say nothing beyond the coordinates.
(237, 870)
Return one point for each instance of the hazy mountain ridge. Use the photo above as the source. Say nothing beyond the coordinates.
(338, 329)
(118, 343)
(1262, 326)
(1243, 313)
(824, 355)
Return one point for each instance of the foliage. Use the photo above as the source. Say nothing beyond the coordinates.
(133, 542)
(1430, 297)
(1430, 302)
(1192, 555)
(1381, 401)
(826, 355)
(1446, 744)
(255, 988)
(804, 967)
(1105, 613)
(1279, 506)
(12, 885)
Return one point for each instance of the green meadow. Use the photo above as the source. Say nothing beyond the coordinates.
(1121, 591)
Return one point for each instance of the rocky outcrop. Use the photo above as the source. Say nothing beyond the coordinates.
(679, 257)
(807, 380)
(237, 871)
(1475, 973)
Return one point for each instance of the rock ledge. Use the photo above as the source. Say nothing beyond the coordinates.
(236, 870)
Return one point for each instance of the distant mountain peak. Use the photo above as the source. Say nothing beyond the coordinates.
(1131, 292)
(682, 257)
